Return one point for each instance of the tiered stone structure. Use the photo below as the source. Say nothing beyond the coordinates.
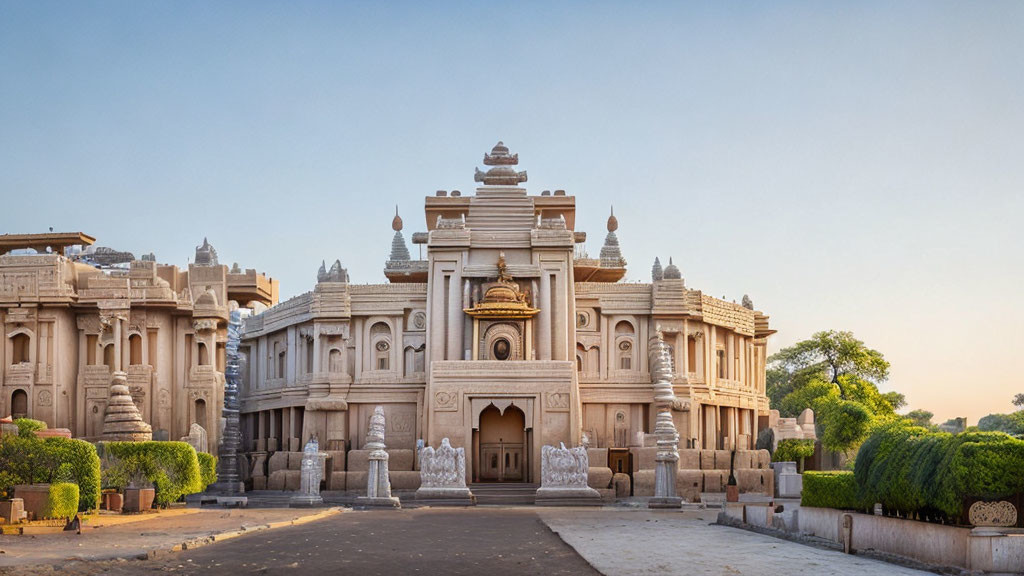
(70, 321)
(378, 481)
(667, 460)
(504, 338)
(122, 421)
(443, 475)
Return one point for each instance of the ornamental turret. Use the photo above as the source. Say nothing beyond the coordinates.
(656, 272)
(206, 255)
(611, 255)
(399, 251)
(672, 271)
(501, 173)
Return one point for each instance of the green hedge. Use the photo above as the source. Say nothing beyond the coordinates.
(207, 469)
(831, 490)
(912, 471)
(28, 427)
(793, 450)
(62, 501)
(171, 467)
(25, 459)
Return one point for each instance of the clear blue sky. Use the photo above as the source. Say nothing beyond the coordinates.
(852, 166)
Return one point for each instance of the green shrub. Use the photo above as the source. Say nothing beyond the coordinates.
(793, 450)
(171, 467)
(62, 501)
(207, 469)
(30, 460)
(831, 490)
(28, 427)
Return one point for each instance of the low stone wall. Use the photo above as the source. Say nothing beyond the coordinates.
(934, 544)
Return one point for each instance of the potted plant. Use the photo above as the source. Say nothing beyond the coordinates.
(129, 475)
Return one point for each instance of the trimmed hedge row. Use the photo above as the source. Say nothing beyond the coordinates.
(26, 459)
(912, 471)
(171, 467)
(793, 450)
(207, 469)
(832, 490)
(62, 501)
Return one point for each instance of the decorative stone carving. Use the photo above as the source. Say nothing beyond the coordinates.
(667, 458)
(557, 401)
(378, 482)
(206, 255)
(443, 474)
(611, 254)
(229, 479)
(122, 420)
(501, 174)
(45, 398)
(445, 401)
(311, 473)
(992, 514)
(197, 438)
(563, 473)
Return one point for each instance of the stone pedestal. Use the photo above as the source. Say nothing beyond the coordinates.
(788, 483)
(311, 474)
(443, 476)
(564, 478)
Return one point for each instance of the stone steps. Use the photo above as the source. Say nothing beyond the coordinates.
(504, 494)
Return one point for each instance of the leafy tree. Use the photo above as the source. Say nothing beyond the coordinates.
(1009, 423)
(922, 418)
(954, 425)
(837, 376)
(1018, 400)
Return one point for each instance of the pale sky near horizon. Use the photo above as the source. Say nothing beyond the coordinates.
(854, 166)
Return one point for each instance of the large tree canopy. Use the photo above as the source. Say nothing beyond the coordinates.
(837, 376)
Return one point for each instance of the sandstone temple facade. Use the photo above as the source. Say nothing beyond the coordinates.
(72, 319)
(505, 338)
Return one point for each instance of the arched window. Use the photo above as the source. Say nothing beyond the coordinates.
(204, 355)
(22, 345)
(135, 347)
(380, 337)
(334, 360)
(200, 407)
(625, 337)
(581, 353)
(108, 356)
(19, 404)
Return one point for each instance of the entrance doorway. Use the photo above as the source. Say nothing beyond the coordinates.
(502, 452)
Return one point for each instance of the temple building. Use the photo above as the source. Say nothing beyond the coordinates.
(507, 337)
(74, 317)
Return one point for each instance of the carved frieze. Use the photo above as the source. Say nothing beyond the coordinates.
(556, 401)
(204, 324)
(996, 514)
(445, 401)
(45, 398)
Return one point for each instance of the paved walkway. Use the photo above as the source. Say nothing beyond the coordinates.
(645, 542)
(107, 537)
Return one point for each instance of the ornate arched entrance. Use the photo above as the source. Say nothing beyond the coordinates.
(502, 448)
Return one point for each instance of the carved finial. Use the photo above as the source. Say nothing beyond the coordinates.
(502, 268)
(656, 271)
(747, 302)
(396, 224)
(502, 173)
(613, 222)
(321, 274)
(206, 255)
(672, 272)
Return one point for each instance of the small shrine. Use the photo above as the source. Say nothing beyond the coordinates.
(502, 319)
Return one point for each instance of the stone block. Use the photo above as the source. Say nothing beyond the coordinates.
(597, 456)
(400, 460)
(714, 480)
(643, 458)
(12, 511)
(753, 481)
(261, 445)
(707, 459)
(607, 494)
(294, 460)
(294, 445)
(623, 486)
(689, 484)
(53, 433)
(356, 481)
(337, 481)
(643, 483)
(337, 460)
(598, 477)
(277, 480)
(259, 464)
(277, 461)
(764, 459)
(746, 459)
(358, 461)
(34, 498)
(259, 482)
(138, 499)
(689, 459)
(403, 479)
(293, 480)
(790, 485)
(722, 459)
(272, 445)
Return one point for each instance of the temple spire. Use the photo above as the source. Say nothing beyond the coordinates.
(611, 255)
(501, 173)
(656, 272)
(672, 272)
(399, 251)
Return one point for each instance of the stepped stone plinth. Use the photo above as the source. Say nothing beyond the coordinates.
(122, 420)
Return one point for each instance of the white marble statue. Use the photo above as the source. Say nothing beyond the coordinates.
(310, 474)
(563, 477)
(443, 474)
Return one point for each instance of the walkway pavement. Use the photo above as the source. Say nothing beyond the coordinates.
(641, 542)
